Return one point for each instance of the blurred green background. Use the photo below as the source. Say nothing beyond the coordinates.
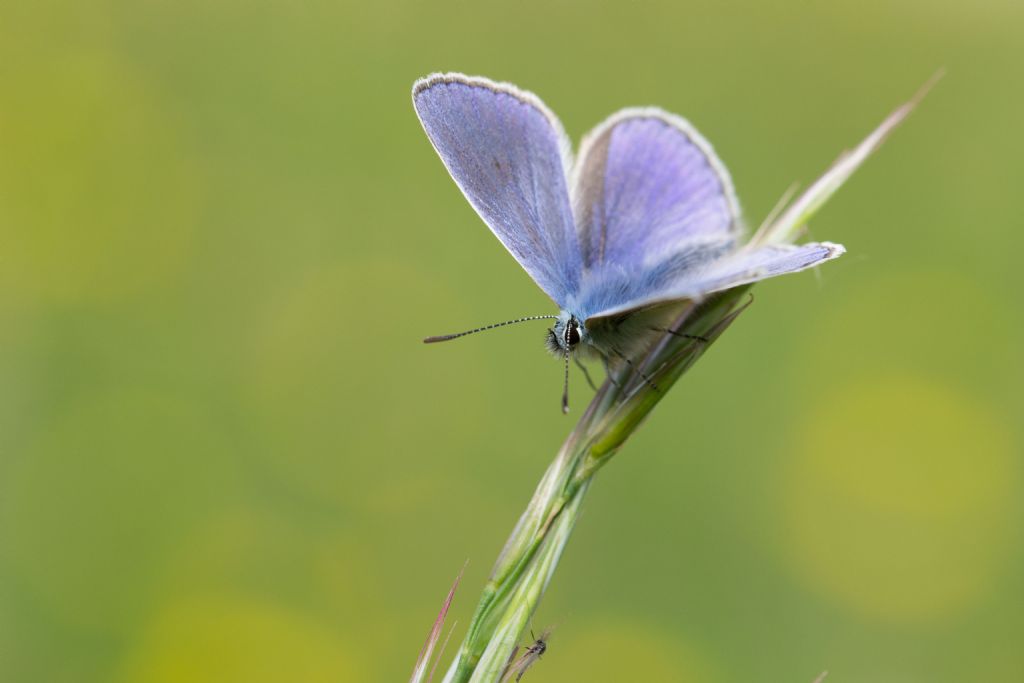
(225, 455)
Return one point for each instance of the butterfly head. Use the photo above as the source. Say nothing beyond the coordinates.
(566, 334)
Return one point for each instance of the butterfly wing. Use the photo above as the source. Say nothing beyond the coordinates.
(659, 221)
(743, 267)
(509, 155)
(648, 185)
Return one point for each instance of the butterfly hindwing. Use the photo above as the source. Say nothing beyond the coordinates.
(741, 267)
(647, 185)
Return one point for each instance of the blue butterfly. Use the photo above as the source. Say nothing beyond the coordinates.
(643, 218)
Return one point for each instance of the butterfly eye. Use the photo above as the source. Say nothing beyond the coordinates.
(573, 337)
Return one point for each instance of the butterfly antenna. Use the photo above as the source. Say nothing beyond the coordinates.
(446, 337)
(565, 391)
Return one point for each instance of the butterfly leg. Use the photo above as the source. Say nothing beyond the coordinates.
(608, 371)
(645, 378)
(586, 374)
(681, 335)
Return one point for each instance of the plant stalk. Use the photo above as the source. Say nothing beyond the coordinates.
(530, 556)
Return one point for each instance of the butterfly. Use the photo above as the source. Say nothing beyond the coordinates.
(643, 218)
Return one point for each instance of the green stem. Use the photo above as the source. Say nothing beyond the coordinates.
(530, 556)
(516, 566)
(528, 592)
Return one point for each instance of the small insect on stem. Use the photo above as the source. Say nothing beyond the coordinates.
(514, 670)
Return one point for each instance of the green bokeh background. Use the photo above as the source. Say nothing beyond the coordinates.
(225, 456)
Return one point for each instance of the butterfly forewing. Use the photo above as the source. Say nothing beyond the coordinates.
(509, 155)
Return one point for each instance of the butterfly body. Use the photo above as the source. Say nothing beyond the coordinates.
(609, 339)
(645, 217)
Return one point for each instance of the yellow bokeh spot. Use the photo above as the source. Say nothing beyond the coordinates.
(223, 640)
(936, 326)
(899, 498)
(621, 650)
